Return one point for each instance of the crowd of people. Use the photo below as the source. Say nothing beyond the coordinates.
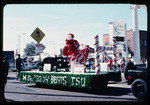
(121, 63)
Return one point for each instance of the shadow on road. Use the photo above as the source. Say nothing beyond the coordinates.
(66, 95)
(110, 91)
(11, 78)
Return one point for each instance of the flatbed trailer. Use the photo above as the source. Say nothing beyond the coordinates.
(68, 79)
(80, 77)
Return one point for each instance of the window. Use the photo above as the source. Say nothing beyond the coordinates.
(106, 44)
(145, 43)
(141, 42)
(128, 43)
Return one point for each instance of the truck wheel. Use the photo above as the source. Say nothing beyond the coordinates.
(139, 89)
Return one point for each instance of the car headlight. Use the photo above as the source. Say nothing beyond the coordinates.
(60, 64)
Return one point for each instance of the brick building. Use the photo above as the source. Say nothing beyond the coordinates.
(143, 43)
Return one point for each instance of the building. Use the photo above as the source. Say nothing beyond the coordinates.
(143, 44)
(130, 43)
(9, 55)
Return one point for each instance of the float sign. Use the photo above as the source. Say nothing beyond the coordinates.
(79, 69)
(47, 67)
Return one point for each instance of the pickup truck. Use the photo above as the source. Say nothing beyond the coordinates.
(136, 76)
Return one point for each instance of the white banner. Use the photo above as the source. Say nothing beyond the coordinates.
(119, 29)
(79, 69)
(47, 67)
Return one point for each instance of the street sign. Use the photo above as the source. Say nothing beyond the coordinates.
(38, 48)
(119, 28)
(37, 35)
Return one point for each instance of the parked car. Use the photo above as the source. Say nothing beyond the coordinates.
(35, 66)
(55, 63)
(26, 68)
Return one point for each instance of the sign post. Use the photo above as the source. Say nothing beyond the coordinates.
(38, 35)
(119, 30)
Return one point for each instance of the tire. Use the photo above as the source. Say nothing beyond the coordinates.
(139, 89)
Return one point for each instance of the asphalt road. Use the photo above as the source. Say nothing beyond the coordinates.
(26, 92)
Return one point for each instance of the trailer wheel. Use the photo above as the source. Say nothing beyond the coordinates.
(98, 84)
(38, 84)
(139, 89)
(99, 87)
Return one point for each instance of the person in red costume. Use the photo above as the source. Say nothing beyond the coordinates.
(72, 46)
(78, 53)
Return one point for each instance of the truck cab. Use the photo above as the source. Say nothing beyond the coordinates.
(136, 76)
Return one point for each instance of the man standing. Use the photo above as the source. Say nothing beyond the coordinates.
(123, 64)
(4, 76)
(19, 64)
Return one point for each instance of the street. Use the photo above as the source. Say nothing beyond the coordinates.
(26, 92)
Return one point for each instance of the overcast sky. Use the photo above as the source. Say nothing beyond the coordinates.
(57, 20)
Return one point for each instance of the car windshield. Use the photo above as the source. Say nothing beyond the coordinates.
(59, 60)
(47, 60)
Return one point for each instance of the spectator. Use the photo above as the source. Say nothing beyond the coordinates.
(19, 64)
(4, 76)
(123, 64)
(144, 60)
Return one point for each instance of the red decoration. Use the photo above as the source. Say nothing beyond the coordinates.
(77, 52)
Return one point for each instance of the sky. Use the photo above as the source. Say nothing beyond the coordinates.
(57, 20)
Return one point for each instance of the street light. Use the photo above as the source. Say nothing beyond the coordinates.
(54, 46)
(19, 42)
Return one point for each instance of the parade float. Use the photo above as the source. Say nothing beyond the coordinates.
(78, 76)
